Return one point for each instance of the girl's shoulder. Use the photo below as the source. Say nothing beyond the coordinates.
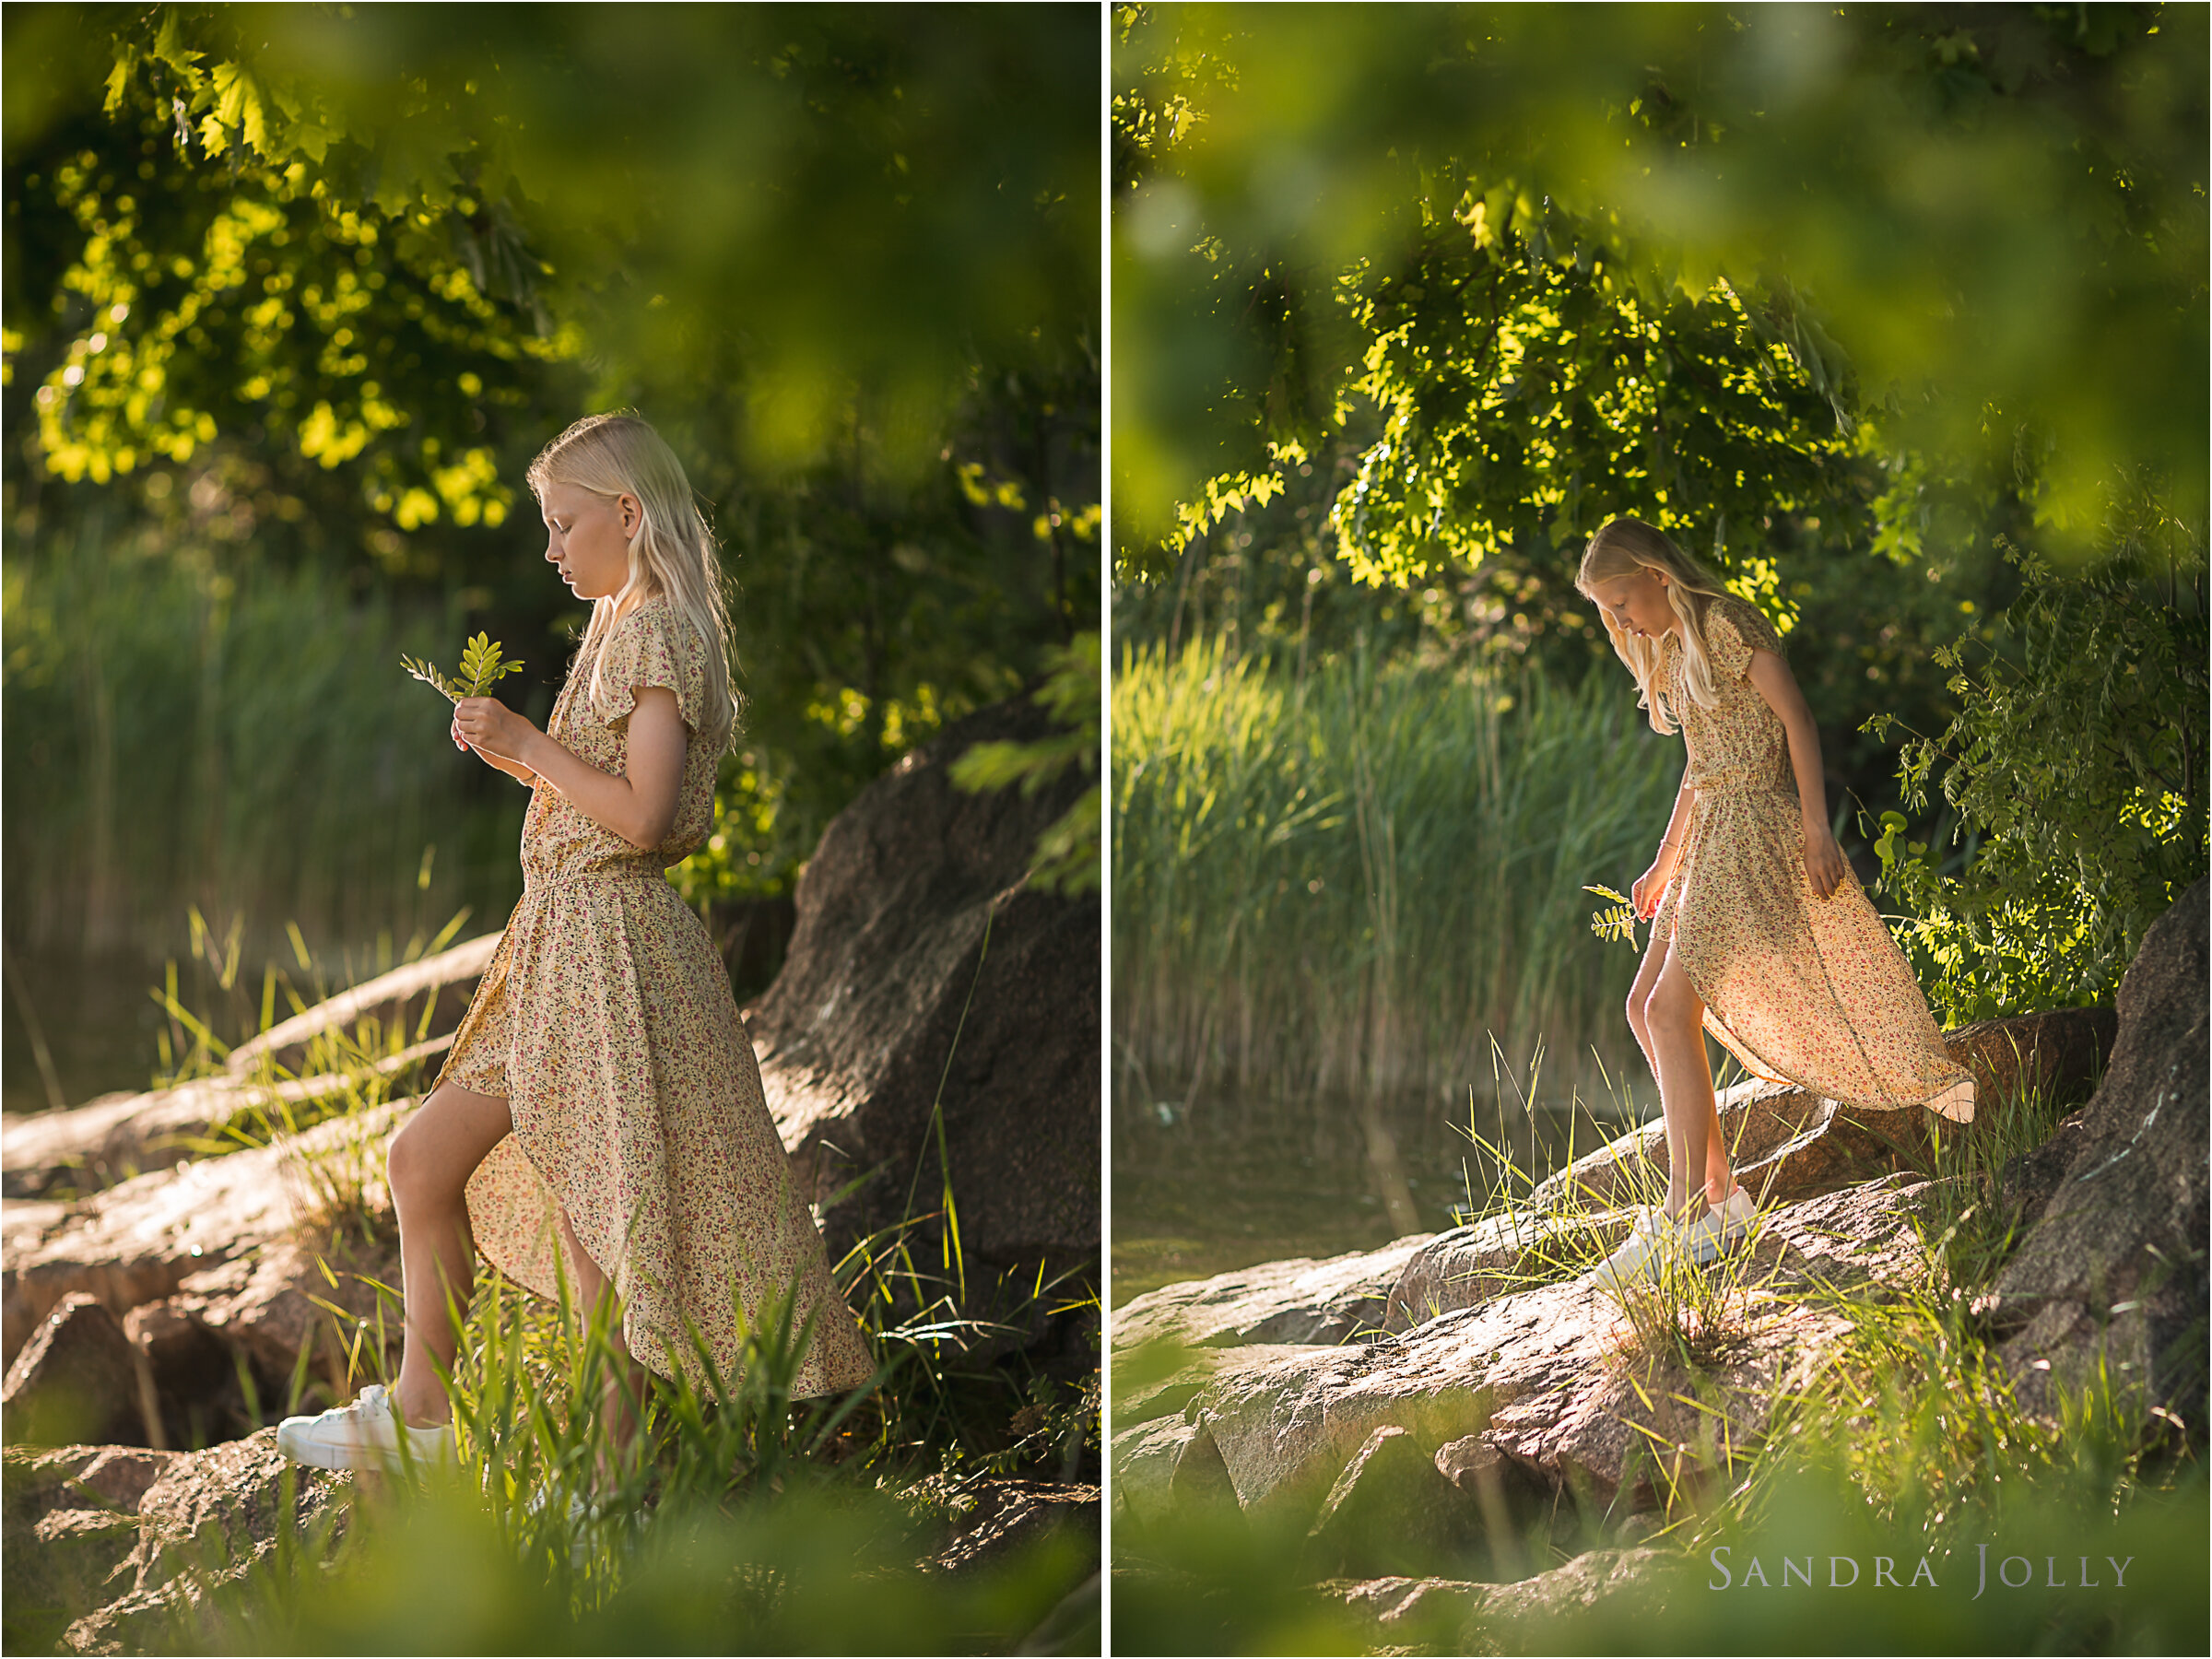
(647, 616)
(1745, 622)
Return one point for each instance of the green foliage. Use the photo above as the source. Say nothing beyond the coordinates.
(481, 669)
(2077, 769)
(962, 184)
(1617, 919)
(1526, 398)
(1067, 857)
(1870, 183)
(1340, 881)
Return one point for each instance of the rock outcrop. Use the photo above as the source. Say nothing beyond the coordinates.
(206, 1266)
(1297, 1301)
(1786, 1145)
(1550, 1390)
(1459, 1615)
(924, 968)
(1426, 1456)
(2114, 1264)
(102, 1540)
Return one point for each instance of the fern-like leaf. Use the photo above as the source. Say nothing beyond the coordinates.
(1617, 919)
(481, 668)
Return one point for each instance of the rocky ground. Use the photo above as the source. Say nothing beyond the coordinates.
(1443, 1431)
(160, 1299)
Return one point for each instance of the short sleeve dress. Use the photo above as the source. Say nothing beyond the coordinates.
(606, 1021)
(1799, 988)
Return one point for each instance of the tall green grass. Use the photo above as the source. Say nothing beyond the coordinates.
(183, 728)
(1347, 880)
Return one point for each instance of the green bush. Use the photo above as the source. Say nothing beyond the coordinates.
(2077, 768)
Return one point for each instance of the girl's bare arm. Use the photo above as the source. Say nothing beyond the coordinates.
(1824, 862)
(639, 804)
(1644, 896)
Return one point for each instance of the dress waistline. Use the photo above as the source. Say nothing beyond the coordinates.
(1734, 778)
(538, 880)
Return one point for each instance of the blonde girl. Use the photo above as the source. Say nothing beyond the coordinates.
(1760, 933)
(601, 1099)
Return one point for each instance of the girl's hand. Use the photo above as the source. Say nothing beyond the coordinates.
(1824, 866)
(513, 769)
(1651, 886)
(491, 728)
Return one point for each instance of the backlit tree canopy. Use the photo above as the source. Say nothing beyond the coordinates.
(770, 210)
(1575, 241)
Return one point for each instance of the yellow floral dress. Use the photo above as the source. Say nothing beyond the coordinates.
(1801, 988)
(606, 1021)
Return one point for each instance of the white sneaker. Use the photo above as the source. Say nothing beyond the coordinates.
(1956, 1102)
(365, 1433)
(1720, 1227)
(1637, 1260)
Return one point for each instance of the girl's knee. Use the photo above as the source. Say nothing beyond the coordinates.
(417, 1180)
(1672, 1002)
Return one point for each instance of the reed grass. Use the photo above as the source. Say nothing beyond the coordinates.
(181, 726)
(1344, 880)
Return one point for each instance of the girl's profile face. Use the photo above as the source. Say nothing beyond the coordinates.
(587, 539)
(1636, 603)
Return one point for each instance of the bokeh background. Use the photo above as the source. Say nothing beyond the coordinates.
(294, 293)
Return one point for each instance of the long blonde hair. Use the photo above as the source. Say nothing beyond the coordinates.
(1621, 549)
(671, 555)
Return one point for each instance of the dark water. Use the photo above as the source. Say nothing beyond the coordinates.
(1224, 1182)
(100, 1025)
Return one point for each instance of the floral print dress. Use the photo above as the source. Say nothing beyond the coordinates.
(1801, 988)
(606, 1021)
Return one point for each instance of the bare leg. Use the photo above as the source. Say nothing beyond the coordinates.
(431, 1162)
(1640, 995)
(595, 1301)
(1674, 1041)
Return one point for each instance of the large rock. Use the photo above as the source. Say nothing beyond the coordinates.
(102, 1542)
(1443, 1615)
(882, 1011)
(1491, 1257)
(2115, 1262)
(1555, 1380)
(1392, 1510)
(75, 1381)
(1295, 1302)
(1011, 1516)
(230, 1249)
(68, 1523)
(1787, 1143)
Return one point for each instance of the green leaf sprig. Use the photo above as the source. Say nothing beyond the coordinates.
(1617, 919)
(481, 668)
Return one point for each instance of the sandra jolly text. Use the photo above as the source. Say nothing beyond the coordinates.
(2014, 1573)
